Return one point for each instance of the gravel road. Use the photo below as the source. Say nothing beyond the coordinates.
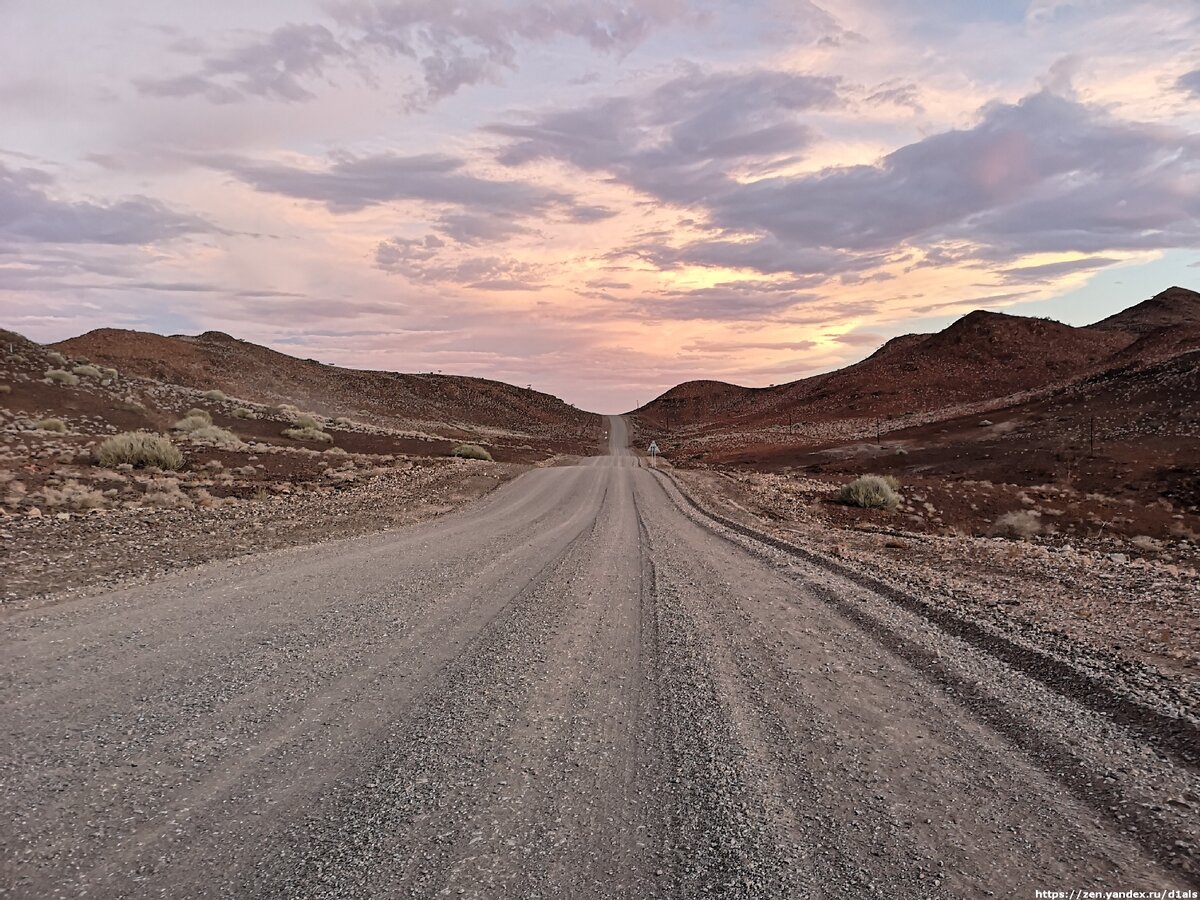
(578, 687)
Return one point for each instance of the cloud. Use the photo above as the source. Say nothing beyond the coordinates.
(1190, 82)
(473, 229)
(461, 44)
(30, 213)
(1045, 174)
(1050, 271)
(767, 255)
(679, 140)
(422, 260)
(349, 183)
(272, 67)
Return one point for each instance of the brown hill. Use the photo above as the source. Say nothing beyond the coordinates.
(981, 356)
(214, 360)
(1175, 307)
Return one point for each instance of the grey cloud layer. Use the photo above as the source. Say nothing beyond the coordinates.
(455, 44)
(273, 67)
(351, 183)
(678, 141)
(29, 212)
(1045, 174)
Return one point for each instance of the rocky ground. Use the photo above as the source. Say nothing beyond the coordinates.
(249, 476)
(1136, 600)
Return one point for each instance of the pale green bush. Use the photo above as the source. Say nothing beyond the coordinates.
(193, 421)
(214, 395)
(86, 371)
(305, 433)
(471, 451)
(1020, 524)
(139, 449)
(871, 492)
(62, 376)
(217, 436)
(52, 425)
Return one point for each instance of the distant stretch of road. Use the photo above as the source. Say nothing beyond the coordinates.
(578, 687)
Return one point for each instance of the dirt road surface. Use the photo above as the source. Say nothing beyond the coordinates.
(578, 687)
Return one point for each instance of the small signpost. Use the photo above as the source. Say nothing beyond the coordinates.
(653, 451)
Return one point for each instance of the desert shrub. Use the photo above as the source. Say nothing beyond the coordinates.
(471, 451)
(306, 420)
(1020, 524)
(73, 495)
(166, 493)
(57, 358)
(243, 413)
(217, 436)
(129, 406)
(62, 376)
(213, 395)
(109, 371)
(871, 492)
(139, 449)
(86, 371)
(5, 388)
(344, 421)
(305, 433)
(193, 421)
(1146, 544)
(52, 425)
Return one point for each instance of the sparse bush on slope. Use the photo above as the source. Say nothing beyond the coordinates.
(214, 395)
(304, 433)
(139, 449)
(62, 376)
(52, 425)
(193, 421)
(217, 436)
(871, 492)
(86, 371)
(1020, 524)
(243, 413)
(471, 451)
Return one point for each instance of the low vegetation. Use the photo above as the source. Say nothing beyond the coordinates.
(471, 451)
(5, 388)
(87, 371)
(61, 376)
(243, 412)
(57, 358)
(53, 425)
(141, 450)
(73, 495)
(306, 420)
(214, 395)
(305, 433)
(193, 421)
(871, 492)
(1020, 524)
(217, 436)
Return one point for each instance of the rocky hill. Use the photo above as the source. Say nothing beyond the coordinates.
(214, 360)
(982, 356)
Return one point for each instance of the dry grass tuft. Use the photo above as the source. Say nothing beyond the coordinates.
(871, 492)
(73, 495)
(243, 412)
(87, 371)
(216, 436)
(1020, 524)
(471, 451)
(139, 449)
(53, 425)
(214, 395)
(62, 376)
(304, 433)
(193, 421)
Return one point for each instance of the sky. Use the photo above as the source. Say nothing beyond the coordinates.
(598, 198)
